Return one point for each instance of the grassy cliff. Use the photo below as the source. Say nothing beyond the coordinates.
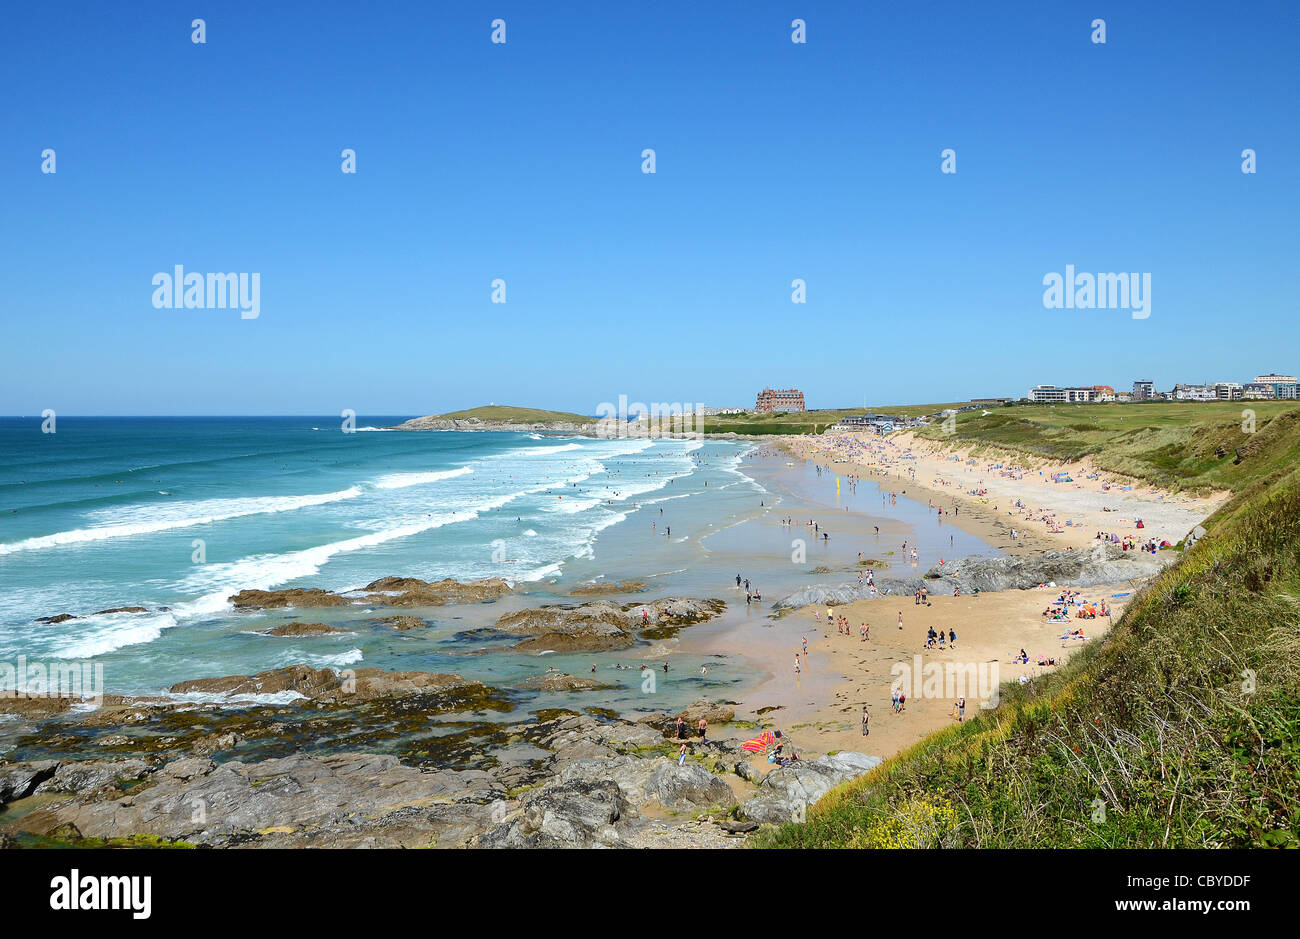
(1173, 445)
(506, 414)
(1181, 729)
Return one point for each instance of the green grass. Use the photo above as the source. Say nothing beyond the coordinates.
(1175, 445)
(501, 412)
(1180, 729)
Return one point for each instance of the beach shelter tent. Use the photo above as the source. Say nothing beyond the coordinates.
(760, 743)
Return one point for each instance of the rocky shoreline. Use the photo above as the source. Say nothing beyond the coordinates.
(300, 756)
(1106, 564)
(156, 772)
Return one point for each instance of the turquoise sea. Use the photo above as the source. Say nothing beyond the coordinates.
(177, 514)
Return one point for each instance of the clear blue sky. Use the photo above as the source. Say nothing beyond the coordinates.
(523, 161)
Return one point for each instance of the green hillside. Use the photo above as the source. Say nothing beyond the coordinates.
(501, 412)
(1175, 445)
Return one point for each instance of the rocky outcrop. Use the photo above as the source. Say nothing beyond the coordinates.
(402, 623)
(411, 591)
(599, 781)
(64, 617)
(280, 599)
(787, 791)
(602, 624)
(559, 681)
(348, 799)
(91, 777)
(19, 780)
(323, 686)
(297, 630)
(1102, 564)
(576, 814)
(387, 591)
(604, 588)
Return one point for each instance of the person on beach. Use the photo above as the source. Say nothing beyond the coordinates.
(681, 727)
(704, 670)
(805, 645)
(796, 663)
(681, 755)
(952, 638)
(961, 711)
(865, 719)
(703, 726)
(900, 619)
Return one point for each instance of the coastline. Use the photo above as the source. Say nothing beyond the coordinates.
(573, 725)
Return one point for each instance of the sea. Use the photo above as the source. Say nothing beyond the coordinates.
(177, 514)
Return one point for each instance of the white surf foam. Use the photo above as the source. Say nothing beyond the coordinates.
(403, 480)
(147, 520)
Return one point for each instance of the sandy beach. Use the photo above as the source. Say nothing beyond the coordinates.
(1051, 515)
(820, 707)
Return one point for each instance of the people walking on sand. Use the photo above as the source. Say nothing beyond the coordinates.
(900, 619)
(805, 645)
(796, 663)
(865, 719)
(961, 710)
(952, 638)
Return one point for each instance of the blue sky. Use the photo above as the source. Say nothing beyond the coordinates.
(522, 161)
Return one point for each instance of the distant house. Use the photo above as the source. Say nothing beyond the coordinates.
(1144, 390)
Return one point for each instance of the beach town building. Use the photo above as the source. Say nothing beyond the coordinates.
(1184, 392)
(1284, 386)
(875, 422)
(786, 399)
(1227, 391)
(1050, 394)
(707, 411)
(1257, 391)
(1144, 390)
